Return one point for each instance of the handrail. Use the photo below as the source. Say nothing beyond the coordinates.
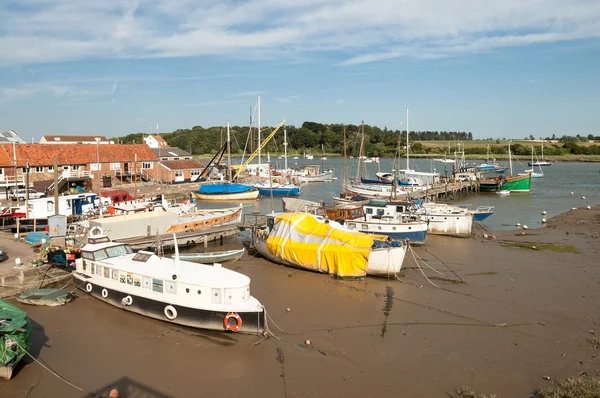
(261, 146)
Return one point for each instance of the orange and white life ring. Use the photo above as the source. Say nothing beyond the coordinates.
(232, 328)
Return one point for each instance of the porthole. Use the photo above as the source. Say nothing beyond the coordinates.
(187, 290)
(393, 228)
(199, 291)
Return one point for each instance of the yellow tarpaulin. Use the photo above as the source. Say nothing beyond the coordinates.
(308, 242)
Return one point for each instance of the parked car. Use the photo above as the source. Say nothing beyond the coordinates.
(20, 194)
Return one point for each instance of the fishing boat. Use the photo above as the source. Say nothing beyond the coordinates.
(212, 257)
(518, 183)
(181, 292)
(15, 338)
(306, 241)
(540, 162)
(371, 219)
(480, 213)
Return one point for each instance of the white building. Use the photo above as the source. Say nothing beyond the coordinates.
(156, 141)
(9, 136)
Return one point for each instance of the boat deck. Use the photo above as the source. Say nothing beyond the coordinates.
(183, 238)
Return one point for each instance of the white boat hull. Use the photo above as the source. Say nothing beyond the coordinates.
(322, 177)
(248, 195)
(449, 224)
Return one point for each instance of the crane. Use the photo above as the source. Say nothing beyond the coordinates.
(262, 144)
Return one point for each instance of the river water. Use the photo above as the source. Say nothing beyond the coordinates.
(552, 193)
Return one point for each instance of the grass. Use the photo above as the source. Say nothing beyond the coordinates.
(571, 388)
(466, 392)
(542, 246)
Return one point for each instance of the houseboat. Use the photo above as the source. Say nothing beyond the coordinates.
(189, 294)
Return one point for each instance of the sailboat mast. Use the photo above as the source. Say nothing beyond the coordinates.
(258, 108)
(228, 153)
(344, 185)
(285, 149)
(360, 156)
(510, 159)
(407, 156)
(542, 150)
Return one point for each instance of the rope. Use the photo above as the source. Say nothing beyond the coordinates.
(417, 263)
(56, 374)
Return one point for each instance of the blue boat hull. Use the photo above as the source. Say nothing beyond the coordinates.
(224, 188)
(291, 191)
(481, 216)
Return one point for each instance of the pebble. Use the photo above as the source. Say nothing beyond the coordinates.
(308, 342)
(518, 224)
(572, 193)
(546, 377)
(288, 309)
(533, 247)
(589, 207)
(583, 197)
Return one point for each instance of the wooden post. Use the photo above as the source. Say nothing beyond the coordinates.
(205, 241)
(35, 224)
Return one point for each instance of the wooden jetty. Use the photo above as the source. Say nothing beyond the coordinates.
(447, 191)
(163, 241)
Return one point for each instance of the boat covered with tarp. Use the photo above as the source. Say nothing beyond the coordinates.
(47, 297)
(15, 338)
(306, 241)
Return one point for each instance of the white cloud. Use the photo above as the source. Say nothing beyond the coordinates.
(286, 100)
(61, 30)
(28, 90)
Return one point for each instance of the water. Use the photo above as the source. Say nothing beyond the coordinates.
(550, 193)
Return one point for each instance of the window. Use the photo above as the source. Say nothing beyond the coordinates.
(157, 285)
(115, 274)
(94, 166)
(122, 277)
(99, 270)
(50, 207)
(142, 256)
(115, 166)
(196, 172)
(100, 255)
(137, 280)
(175, 158)
(171, 287)
(146, 282)
(369, 210)
(87, 255)
(24, 170)
(50, 169)
(380, 212)
(107, 272)
(75, 167)
(116, 251)
(39, 169)
(129, 278)
(178, 173)
(146, 165)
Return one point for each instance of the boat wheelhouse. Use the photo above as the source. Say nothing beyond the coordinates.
(190, 294)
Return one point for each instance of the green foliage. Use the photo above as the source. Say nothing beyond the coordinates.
(573, 388)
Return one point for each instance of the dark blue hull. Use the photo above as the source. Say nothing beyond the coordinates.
(481, 216)
(292, 191)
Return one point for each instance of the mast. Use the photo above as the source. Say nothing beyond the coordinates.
(344, 184)
(542, 150)
(228, 154)
(360, 155)
(322, 156)
(407, 156)
(259, 158)
(510, 159)
(285, 149)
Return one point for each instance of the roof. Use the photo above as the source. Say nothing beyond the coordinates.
(161, 141)
(72, 138)
(9, 137)
(44, 155)
(170, 152)
(182, 164)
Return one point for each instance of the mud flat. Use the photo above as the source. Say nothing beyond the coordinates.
(504, 315)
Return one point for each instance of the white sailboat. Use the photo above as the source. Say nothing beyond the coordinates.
(540, 162)
(530, 171)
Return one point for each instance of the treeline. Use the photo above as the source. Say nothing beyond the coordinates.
(310, 137)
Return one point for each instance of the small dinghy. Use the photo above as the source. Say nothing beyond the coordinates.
(503, 192)
(213, 257)
(15, 338)
(47, 297)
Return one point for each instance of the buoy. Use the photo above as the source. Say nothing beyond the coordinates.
(544, 212)
(583, 198)
(524, 226)
(485, 236)
(518, 224)
(522, 233)
(573, 208)
(288, 309)
(589, 207)
(533, 247)
(308, 342)
(572, 193)
(493, 236)
(543, 220)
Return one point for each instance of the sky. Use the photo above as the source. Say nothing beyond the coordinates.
(496, 68)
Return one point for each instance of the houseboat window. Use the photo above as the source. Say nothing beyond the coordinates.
(199, 291)
(116, 251)
(129, 278)
(400, 209)
(187, 289)
(100, 255)
(87, 255)
(365, 226)
(380, 212)
(216, 296)
(142, 256)
(137, 280)
(171, 287)
(157, 285)
(146, 282)
(351, 226)
(122, 277)
(107, 273)
(270, 222)
(369, 210)
(50, 205)
(92, 269)
(99, 270)
(115, 274)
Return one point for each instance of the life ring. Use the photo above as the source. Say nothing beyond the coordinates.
(88, 288)
(127, 300)
(232, 328)
(104, 293)
(170, 312)
(95, 229)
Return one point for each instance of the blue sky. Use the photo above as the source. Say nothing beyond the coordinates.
(505, 68)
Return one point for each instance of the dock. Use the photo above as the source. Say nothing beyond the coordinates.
(447, 191)
(187, 238)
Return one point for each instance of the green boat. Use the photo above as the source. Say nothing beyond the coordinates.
(489, 185)
(15, 338)
(517, 184)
